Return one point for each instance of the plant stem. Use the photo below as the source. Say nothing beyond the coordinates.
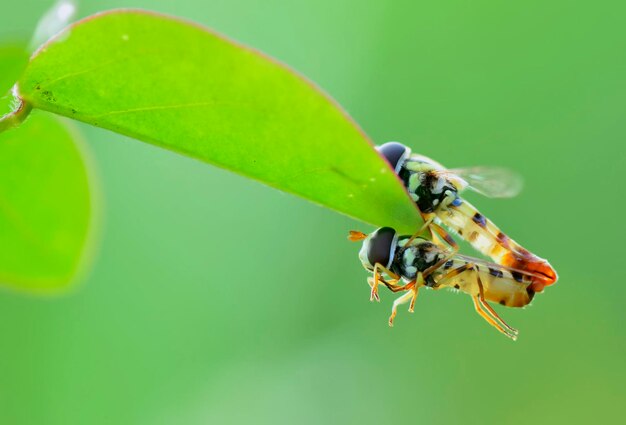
(18, 115)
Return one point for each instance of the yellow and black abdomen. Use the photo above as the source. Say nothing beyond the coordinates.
(486, 237)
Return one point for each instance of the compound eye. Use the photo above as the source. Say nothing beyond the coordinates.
(381, 246)
(395, 153)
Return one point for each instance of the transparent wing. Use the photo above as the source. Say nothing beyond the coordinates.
(479, 262)
(493, 182)
(53, 21)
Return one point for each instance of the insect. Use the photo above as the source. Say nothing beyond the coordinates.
(435, 190)
(407, 263)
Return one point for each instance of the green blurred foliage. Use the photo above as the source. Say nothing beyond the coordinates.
(46, 205)
(13, 59)
(218, 300)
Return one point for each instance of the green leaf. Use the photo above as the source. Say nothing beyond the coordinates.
(45, 205)
(184, 88)
(13, 59)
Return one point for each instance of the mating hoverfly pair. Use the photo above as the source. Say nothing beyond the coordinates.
(407, 263)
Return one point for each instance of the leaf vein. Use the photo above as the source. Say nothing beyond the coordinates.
(159, 108)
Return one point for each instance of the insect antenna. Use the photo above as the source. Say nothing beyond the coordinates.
(355, 236)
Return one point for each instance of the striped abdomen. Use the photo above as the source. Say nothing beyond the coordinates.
(485, 236)
(501, 286)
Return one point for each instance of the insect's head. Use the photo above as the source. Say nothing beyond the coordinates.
(395, 153)
(378, 247)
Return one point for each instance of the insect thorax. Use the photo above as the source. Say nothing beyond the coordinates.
(427, 188)
(419, 256)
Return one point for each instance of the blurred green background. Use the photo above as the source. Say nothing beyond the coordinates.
(214, 299)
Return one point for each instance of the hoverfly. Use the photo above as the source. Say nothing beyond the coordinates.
(407, 263)
(435, 190)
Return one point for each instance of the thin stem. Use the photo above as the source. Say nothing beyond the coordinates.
(18, 115)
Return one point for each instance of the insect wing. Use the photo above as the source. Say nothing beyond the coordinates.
(53, 21)
(517, 274)
(493, 182)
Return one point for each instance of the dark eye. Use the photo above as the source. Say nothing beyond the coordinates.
(395, 153)
(381, 246)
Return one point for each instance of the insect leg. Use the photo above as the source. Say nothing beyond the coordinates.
(378, 278)
(486, 306)
(427, 223)
(489, 320)
(401, 300)
(441, 262)
(479, 300)
(450, 197)
(419, 282)
(391, 284)
(480, 304)
(435, 228)
(453, 273)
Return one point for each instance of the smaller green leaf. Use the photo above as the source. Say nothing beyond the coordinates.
(13, 60)
(45, 205)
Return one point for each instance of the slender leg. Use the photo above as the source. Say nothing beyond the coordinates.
(495, 315)
(486, 306)
(482, 305)
(440, 263)
(453, 273)
(401, 300)
(377, 278)
(492, 322)
(419, 282)
(413, 299)
(479, 300)
(435, 228)
(427, 223)
(391, 285)
(411, 289)
(450, 197)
